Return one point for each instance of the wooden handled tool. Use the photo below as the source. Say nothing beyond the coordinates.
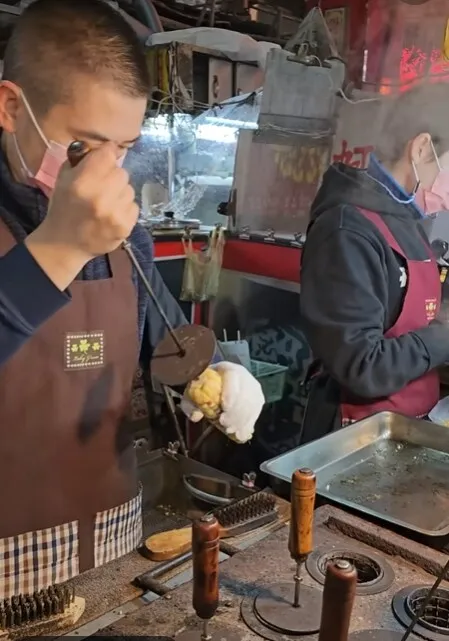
(300, 540)
(205, 551)
(338, 600)
(303, 492)
(76, 152)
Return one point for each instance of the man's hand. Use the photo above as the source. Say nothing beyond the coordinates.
(91, 212)
(241, 402)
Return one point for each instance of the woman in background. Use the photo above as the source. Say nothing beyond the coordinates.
(370, 287)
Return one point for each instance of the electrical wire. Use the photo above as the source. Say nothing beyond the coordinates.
(341, 93)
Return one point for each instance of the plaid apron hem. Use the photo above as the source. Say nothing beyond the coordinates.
(33, 561)
(36, 560)
(118, 531)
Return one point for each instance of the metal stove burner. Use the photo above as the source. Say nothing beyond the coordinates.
(434, 624)
(436, 615)
(374, 574)
(273, 607)
(272, 616)
(376, 635)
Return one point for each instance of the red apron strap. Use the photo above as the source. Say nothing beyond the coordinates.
(378, 222)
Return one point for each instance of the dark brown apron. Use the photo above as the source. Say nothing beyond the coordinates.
(69, 494)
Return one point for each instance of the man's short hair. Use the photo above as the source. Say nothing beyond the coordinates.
(424, 109)
(56, 40)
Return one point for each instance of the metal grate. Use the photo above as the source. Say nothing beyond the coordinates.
(436, 615)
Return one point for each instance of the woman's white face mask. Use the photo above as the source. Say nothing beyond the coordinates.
(435, 198)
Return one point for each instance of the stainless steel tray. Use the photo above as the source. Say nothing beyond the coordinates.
(389, 466)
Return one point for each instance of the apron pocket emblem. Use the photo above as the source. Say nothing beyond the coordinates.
(431, 308)
(84, 350)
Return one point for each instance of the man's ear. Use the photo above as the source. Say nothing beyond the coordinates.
(10, 104)
(421, 149)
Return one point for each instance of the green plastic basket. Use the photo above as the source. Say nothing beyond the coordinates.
(272, 378)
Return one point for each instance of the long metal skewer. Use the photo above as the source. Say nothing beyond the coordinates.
(205, 636)
(298, 581)
(129, 250)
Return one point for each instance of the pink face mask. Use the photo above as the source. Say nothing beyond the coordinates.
(435, 199)
(54, 157)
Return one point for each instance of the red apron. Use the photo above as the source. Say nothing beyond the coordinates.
(70, 498)
(421, 305)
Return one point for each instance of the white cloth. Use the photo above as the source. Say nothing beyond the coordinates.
(242, 400)
(239, 46)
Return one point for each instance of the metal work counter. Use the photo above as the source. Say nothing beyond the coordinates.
(401, 563)
(109, 591)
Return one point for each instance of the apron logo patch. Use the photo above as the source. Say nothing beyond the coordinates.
(431, 309)
(84, 351)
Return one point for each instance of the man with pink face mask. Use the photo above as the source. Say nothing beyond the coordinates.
(370, 286)
(74, 319)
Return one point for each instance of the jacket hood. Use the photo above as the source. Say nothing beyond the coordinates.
(365, 188)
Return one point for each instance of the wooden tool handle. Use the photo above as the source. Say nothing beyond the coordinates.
(206, 550)
(303, 492)
(338, 600)
(76, 152)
